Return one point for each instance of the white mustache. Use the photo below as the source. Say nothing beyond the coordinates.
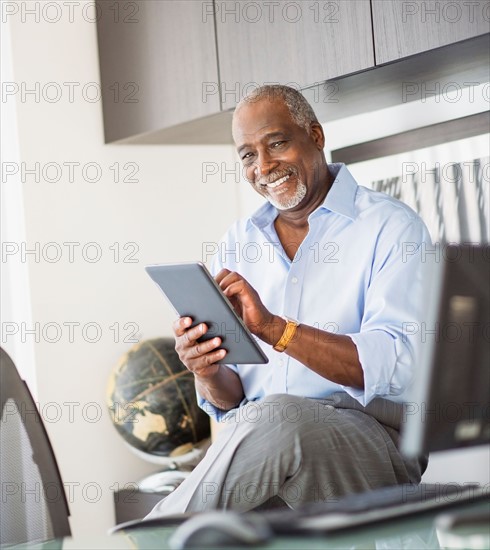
(274, 177)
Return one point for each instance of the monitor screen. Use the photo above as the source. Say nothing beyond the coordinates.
(450, 405)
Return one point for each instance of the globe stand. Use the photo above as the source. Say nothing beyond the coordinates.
(151, 397)
(186, 457)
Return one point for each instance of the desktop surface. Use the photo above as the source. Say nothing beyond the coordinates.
(418, 532)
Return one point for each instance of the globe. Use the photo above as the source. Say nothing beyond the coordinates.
(152, 402)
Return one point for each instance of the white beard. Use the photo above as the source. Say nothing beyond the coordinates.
(290, 202)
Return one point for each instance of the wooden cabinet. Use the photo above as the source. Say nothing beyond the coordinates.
(295, 43)
(156, 60)
(173, 70)
(410, 27)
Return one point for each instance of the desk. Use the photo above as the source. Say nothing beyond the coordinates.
(414, 532)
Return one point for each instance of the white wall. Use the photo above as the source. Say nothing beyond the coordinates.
(15, 299)
(168, 213)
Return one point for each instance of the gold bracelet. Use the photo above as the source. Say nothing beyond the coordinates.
(287, 335)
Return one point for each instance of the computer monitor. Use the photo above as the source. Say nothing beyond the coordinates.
(450, 407)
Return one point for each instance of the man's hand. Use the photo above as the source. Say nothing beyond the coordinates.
(201, 358)
(247, 303)
(217, 383)
(333, 356)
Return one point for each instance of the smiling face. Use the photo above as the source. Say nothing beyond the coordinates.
(282, 161)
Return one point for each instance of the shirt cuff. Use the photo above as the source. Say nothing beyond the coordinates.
(212, 410)
(378, 357)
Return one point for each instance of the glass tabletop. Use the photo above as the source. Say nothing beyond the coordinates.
(430, 530)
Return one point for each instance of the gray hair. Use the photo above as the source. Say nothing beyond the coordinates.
(300, 110)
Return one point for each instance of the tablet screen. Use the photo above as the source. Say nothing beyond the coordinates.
(193, 292)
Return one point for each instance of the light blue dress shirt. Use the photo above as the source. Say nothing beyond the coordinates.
(356, 273)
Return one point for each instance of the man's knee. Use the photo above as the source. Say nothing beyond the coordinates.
(274, 417)
(282, 419)
(294, 409)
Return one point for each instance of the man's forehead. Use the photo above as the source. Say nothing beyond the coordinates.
(259, 117)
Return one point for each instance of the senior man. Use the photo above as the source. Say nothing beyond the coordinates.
(327, 295)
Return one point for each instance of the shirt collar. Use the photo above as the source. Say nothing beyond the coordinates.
(342, 195)
(340, 199)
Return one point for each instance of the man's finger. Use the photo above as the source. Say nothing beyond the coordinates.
(215, 357)
(234, 288)
(229, 279)
(181, 325)
(196, 332)
(221, 275)
(205, 347)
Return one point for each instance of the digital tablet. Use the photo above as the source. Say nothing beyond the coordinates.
(192, 291)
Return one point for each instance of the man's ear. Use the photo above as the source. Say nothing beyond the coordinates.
(317, 135)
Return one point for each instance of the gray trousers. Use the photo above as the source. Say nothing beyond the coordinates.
(291, 450)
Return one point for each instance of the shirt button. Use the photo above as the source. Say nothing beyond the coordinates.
(280, 362)
(294, 280)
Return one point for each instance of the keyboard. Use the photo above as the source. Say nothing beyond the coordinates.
(372, 507)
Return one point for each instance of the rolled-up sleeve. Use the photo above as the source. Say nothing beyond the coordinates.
(212, 410)
(388, 342)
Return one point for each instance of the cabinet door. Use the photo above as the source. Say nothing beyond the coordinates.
(406, 28)
(298, 43)
(158, 64)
